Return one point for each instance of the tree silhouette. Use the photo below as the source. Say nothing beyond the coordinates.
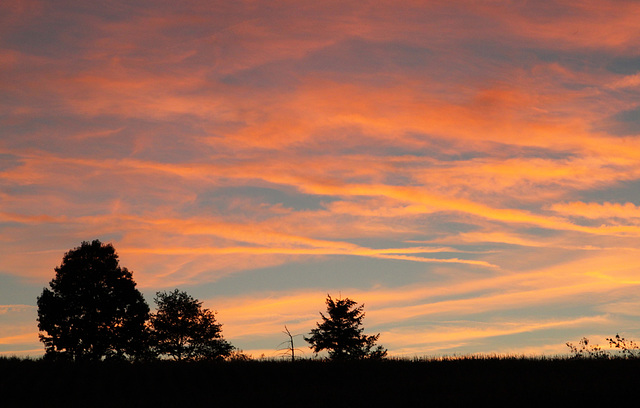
(341, 333)
(183, 330)
(290, 349)
(93, 309)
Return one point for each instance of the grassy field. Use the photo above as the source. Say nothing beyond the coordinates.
(307, 383)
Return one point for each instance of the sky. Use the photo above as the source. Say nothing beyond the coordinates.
(467, 170)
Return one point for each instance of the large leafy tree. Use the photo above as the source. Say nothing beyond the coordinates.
(183, 330)
(92, 309)
(341, 333)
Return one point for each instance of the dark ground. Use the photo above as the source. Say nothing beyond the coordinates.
(392, 383)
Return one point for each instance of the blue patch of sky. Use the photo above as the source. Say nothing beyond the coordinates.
(378, 243)
(349, 57)
(529, 338)
(497, 52)
(328, 273)
(528, 57)
(61, 131)
(438, 148)
(8, 161)
(433, 147)
(357, 56)
(514, 151)
(627, 65)
(399, 179)
(108, 136)
(223, 200)
(442, 149)
(575, 60)
(621, 192)
(64, 29)
(446, 223)
(31, 191)
(42, 39)
(112, 11)
(625, 123)
(277, 75)
(540, 232)
(51, 35)
(527, 258)
(14, 290)
(176, 142)
(354, 141)
(583, 305)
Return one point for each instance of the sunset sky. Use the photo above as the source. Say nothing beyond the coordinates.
(469, 170)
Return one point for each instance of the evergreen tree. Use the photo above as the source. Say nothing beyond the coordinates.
(341, 333)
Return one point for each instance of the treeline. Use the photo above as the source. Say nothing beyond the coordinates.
(92, 311)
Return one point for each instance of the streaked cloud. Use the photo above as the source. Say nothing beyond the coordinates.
(467, 169)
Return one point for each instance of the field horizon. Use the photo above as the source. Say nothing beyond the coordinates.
(462, 381)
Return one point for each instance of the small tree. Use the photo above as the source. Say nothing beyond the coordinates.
(93, 309)
(290, 349)
(341, 333)
(183, 330)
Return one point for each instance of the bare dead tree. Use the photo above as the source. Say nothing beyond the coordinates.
(289, 349)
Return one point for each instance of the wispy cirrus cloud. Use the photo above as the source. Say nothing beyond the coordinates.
(424, 313)
(466, 159)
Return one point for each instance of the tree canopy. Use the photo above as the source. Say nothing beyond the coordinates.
(183, 330)
(341, 333)
(92, 309)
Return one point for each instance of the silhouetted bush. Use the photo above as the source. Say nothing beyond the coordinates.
(584, 349)
(627, 348)
(620, 348)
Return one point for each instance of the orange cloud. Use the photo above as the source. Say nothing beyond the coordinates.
(19, 339)
(610, 25)
(376, 133)
(628, 81)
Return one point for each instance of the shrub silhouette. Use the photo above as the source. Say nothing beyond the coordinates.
(341, 333)
(93, 309)
(586, 350)
(183, 330)
(628, 348)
